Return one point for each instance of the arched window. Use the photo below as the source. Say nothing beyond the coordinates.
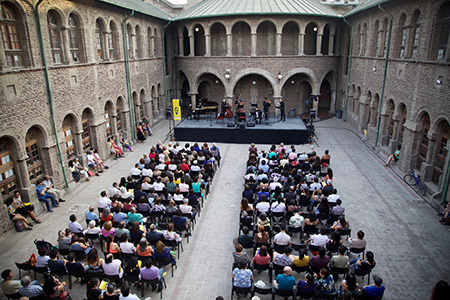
(376, 38)
(34, 160)
(119, 114)
(156, 43)
(391, 110)
(68, 137)
(86, 133)
(218, 40)
(401, 130)
(75, 43)
(310, 42)
(9, 25)
(385, 36)
(113, 48)
(423, 143)
(150, 42)
(108, 110)
(100, 40)
(266, 36)
(415, 34)
(441, 151)
(441, 33)
(54, 27)
(138, 43)
(7, 175)
(401, 36)
(363, 40)
(130, 41)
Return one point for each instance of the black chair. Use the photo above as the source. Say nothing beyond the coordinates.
(192, 218)
(126, 257)
(131, 279)
(314, 248)
(156, 284)
(93, 237)
(310, 229)
(240, 290)
(278, 269)
(95, 274)
(298, 247)
(261, 268)
(266, 290)
(300, 269)
(41, 270)
(279, 248)
(362, 273)
(292, 230)
(13, 296)
(306, 296)
(77, 274)
(345, 232)
(64, 252)
(113, 278)
(284, 293)
(357, 251)
(164, 261)
(181, 229)
(339, 271)
(25, 267)
(172, 244)
(334, 295)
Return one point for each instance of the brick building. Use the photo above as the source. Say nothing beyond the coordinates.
(89, 88)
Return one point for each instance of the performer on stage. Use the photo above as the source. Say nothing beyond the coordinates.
(266, 108)
(258, 115)
(197, 110)
(282, 111)
(224, 107)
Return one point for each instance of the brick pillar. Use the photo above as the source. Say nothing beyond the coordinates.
(229, 44)
(254, 40)
(301, 43)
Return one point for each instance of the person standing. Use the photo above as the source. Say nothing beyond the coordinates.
(266, 107)
(282, 110)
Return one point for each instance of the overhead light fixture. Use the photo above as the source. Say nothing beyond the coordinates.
(280, 76)
(254, 82)
(227, 74)
(374, 69)
(439, 81)
(197, 29)
(217, 81)
(315, 28)
(292, 82)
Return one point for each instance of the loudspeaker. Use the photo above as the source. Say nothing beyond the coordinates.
(241, 125)
(231, 124)
(251, 124)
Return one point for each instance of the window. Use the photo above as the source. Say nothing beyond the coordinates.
(138, 43)
(402, 32)
(129, 41)
(74, 38)
(441, 33)
(415, 34)
(99, 40)
(108, 120)
(376, 38)
(9, 25)
(150, 42)
(34, 162)
(85, 135)
(7, 176)
(54, 28)
(68, 138)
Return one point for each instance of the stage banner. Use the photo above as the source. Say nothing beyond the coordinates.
(176, 109)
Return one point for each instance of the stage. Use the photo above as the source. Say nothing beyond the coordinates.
(208, 129)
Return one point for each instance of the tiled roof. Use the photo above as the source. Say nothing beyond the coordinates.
(366, 5)
(213, 8)
(141, 7)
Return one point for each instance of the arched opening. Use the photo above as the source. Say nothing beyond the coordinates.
(107, 115)
(351, 94)
(199, 40)
(252, 89)
(295, 91)
(266, 34)
(156, 43)
(142, 101)
(218, 40)
(422, 148)
(100, 39)
(415, 34)
(356, 100)
(441, 151)
(364, 39)
(369, 100)
(374, 110)
(139, 47)
(69, 124)
(33, 143)
(130, 41)
(54, 24)
(356, 41)
(186, 44)
(241, 34)
(384, 34)
(210, 87)
(390, 113)
(119, 108)
(402, 114)
(8, 179)
(75, 39)
(289, 39)
(402, 33)
(113, 47)
(325, 98)
(375, 39)
(86, 120)
(150, 46)
(311, 39)
(154, 102)
(325, 40)
(137, 107)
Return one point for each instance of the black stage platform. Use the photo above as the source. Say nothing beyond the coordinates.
(293, 131)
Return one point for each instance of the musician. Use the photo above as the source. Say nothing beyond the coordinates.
(266, 107)
(282, 111)
(258, 115)
(190, 112)
(198, 109)
(224, 107)
(253, 111)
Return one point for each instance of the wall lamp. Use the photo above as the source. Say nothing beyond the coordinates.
(280, 76)
(227, 74)
(439, 81)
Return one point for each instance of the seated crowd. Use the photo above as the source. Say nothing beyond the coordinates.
(288, 193)
(138, 225)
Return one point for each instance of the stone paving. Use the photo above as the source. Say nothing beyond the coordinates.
(410, 246)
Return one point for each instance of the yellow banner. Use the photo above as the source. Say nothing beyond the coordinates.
(176, 109)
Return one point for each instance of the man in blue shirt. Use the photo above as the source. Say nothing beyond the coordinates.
(179, 221)
(375, 290)
(43, 196)
(286, 281)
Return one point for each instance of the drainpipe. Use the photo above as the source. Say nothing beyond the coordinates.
(49, 88)
(127, 74)
(386, 62)
(348, 68)
(163, 49)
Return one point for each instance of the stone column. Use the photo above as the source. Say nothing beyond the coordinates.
(229, 44)
(301, 43)
(113, 124)
(384, 123)
(331, 44)
(126, 122)
(181, 45)
(207, 44)
(409, 146)
(79, 146)
(319, 44)
(105, 49)
(152, 46)
(426, 169)
(278, 44)
(333, 102)
(254, 41)
(65, 45)
(192, 45)
(350, 103)
(194, 100)
(21, 164)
